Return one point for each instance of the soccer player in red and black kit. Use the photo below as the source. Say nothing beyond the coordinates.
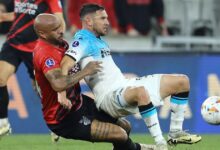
(75, 116)
(19, 45)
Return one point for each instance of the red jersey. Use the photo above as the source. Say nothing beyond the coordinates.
(22, 35)
(48, 57)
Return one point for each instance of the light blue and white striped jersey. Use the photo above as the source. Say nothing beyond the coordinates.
(86, 47)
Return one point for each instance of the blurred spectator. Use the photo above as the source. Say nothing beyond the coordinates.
(134, 16)
(6, 6)
(73, 8)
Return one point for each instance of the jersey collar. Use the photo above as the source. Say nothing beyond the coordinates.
(88, 33)
(61, 48)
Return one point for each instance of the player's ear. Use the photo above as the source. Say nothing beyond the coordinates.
(42, 34)
(89, 20)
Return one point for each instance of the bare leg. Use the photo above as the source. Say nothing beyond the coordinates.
(6, 71)
(139, 96)
(178, 87)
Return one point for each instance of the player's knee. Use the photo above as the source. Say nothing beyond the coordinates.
(125, 124)
(141, 95)
(3, 81)
(183, 83)
(121, 135)
(137, 96)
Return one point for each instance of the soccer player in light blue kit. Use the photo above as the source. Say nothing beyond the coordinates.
(120, 97)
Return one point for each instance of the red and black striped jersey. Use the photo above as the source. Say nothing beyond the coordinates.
(46, 58)
(22, 35)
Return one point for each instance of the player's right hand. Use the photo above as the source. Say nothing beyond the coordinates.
(63, 100)
(93, 67)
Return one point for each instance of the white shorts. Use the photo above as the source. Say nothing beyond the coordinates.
(115, 105)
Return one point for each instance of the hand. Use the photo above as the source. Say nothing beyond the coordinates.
(65, 102)
(92, 67)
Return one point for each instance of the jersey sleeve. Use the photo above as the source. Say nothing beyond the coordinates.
(54, 5)
(49, 63)
(78, 49)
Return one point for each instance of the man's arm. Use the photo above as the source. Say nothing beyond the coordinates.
(60, 82)
(66, 64)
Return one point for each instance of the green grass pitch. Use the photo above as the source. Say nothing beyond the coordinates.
(43, 142)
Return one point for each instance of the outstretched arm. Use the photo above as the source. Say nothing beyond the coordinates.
(60, 82)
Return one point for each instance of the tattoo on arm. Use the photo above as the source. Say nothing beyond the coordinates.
(62, 82)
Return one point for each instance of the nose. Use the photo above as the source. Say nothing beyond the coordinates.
(60, 31)
(107, 22)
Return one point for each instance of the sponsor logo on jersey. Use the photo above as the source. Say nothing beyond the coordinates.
(71, 52)
(25, 7)
(75, 43)
(50, 62)
(105, 52)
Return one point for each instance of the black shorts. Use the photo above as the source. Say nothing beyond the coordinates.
(77, 125)
(15, 57)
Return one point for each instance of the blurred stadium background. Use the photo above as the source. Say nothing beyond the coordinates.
(192, 47)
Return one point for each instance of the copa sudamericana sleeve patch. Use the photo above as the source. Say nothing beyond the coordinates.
(50, 62)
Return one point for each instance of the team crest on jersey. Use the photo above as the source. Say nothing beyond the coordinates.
(50, 62)
(75, 43)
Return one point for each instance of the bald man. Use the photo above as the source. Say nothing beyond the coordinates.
(70, 114)
(19, 44)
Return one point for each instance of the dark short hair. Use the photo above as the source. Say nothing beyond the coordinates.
(89, 8)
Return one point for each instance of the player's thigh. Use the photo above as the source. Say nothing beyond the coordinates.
(115, 105)
(7, 70)
(173, 83)
(102, 131)
(151, 84)
(9, 61)
(135, 94)
(27, 58)
(125, 124)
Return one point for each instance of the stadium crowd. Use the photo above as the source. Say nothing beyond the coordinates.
(143, 17)
(129, 17)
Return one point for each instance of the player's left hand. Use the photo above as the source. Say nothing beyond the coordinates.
(93, 67)
(63, 100)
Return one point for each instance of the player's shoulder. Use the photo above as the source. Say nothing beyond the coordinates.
(39, 54)
(42, 49)
(80, 40)
(81, 36)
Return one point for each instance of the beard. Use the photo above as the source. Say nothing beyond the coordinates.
(56, 41)
(101, 32)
